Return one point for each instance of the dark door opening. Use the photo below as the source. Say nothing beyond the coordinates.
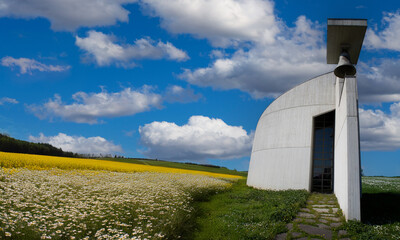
(323, 149)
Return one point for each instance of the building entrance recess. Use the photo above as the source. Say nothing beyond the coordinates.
(323, 150)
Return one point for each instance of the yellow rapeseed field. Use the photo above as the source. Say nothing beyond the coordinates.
(40, 162)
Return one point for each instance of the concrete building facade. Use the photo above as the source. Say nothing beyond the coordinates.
(308, 138)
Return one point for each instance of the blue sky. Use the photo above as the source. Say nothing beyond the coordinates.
(184, 80)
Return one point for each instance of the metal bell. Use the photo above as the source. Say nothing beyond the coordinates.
(344, 66)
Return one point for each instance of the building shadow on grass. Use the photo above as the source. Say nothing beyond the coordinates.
(380, 208)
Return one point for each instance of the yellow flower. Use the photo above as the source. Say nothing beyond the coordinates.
(12, 161)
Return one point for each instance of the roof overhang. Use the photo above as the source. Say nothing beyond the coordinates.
(345, 34)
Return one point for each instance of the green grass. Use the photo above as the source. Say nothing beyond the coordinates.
(188, 166)
(247, 213)
(380, 210)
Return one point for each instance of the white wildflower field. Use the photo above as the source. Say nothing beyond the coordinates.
(385, 184)
(86, 204)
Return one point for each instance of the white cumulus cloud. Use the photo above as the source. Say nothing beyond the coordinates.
(201, 138)
(88, 107)
(8, 100)
(68, 14)
(379, 130)
(379, 81)
(27, 65)
(78, 144)
(267, 70)
(388, 38)
(269, 57)
(223, 22)
(105, 50)
(182, 95)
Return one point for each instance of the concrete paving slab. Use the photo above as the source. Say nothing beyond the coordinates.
(327, 215)
(309, 220)
(336, 224)
(296, 234)
(323, 220)
(321, 210)
(324, 226)
(281, 236)
(311, 230)
(332, 219)
(323, 206)
(306, 215)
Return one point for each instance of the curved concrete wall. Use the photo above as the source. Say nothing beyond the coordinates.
(281, 155)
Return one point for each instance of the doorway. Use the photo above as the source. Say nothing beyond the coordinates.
(323, 150)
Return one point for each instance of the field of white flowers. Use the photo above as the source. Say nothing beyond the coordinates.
(382, 184)
(84, 204)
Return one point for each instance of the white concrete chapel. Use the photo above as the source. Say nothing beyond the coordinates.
(308, 138)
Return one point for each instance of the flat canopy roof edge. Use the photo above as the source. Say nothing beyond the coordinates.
(347, 22)
(348, 33)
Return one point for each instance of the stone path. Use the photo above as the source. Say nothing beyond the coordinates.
(320, 219)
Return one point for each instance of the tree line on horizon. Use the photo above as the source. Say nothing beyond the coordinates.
(9, 144)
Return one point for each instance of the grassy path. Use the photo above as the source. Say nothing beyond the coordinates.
(320, 219)
(247, 213)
